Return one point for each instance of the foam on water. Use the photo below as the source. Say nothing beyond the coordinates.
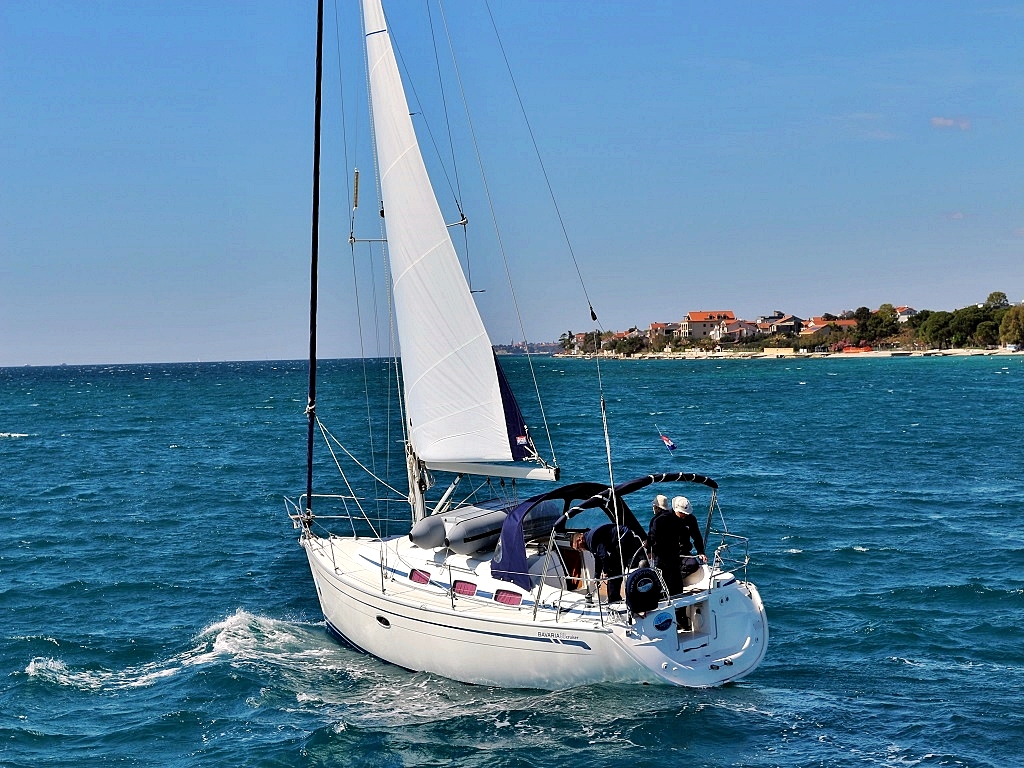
(232, 638)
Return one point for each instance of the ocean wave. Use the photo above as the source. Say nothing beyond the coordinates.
(241, 637)
(948, 667)
(13, 434)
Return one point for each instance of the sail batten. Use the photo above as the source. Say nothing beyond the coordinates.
(456, 409)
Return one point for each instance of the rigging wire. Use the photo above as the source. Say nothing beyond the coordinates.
(341, 93)
(352, 194)
(386, 266)
(451, 147)
(536, 149)
(328, 435)
(344, 477)
(568, 242)
(444, 105)
(422, 114)
(497, 232)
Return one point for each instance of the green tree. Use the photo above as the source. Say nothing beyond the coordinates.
(1011, 330)
(591, 341)
(986, 334)
(965, 321)
(566, 341)
(882, 323)
(996, 300)
(630, 346)
(916, 321)
(935, 330)
(999, 314)
(707, 343)
(863, 316)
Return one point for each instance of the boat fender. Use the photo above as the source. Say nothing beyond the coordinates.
(428, 532)
(643, 590)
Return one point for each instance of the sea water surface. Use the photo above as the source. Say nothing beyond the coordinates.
(156, 610)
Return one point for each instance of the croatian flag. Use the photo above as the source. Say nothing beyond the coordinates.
(668, 442)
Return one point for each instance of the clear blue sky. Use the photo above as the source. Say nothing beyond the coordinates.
(810, 157)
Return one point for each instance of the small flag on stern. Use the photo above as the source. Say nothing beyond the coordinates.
(665, 439)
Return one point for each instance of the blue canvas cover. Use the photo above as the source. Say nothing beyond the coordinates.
(509, 561)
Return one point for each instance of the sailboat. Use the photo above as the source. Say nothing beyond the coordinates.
(492, 591)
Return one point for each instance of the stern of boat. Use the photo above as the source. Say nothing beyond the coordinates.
(702, 640)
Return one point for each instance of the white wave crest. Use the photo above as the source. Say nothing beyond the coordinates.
(240, 637)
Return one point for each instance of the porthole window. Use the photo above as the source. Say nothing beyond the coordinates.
(506, 597)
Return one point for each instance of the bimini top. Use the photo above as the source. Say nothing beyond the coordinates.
(509, 561)
(604, 499)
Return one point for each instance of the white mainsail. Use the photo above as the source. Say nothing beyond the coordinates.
(453, 399)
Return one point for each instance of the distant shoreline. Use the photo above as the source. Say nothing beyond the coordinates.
(691, 355)
(787, 353)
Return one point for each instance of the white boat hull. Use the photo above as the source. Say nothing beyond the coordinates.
(377, 609)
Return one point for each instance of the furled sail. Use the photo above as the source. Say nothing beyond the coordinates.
(454, 402)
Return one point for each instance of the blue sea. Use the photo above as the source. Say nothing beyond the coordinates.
(156, 610)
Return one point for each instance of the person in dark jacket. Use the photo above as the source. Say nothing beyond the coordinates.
(672, 537)
(612, 546)
(691, 538)
(664, 544)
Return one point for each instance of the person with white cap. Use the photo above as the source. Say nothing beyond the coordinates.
(690, 537)
(663, 544)
(661, 504)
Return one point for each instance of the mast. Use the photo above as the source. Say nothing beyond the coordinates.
(314, 257)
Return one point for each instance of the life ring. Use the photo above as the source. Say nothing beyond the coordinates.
(643, 590)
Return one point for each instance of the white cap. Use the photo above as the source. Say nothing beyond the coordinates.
(681, 505)
(661, 502)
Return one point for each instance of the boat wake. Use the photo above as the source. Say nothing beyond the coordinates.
(241, 639)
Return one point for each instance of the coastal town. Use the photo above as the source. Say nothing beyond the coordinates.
(995, 325)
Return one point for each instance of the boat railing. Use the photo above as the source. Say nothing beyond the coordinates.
(731, 554)
(584, 592)
(302, 520)
(453, 570)
(565, 600)
(351, 509)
